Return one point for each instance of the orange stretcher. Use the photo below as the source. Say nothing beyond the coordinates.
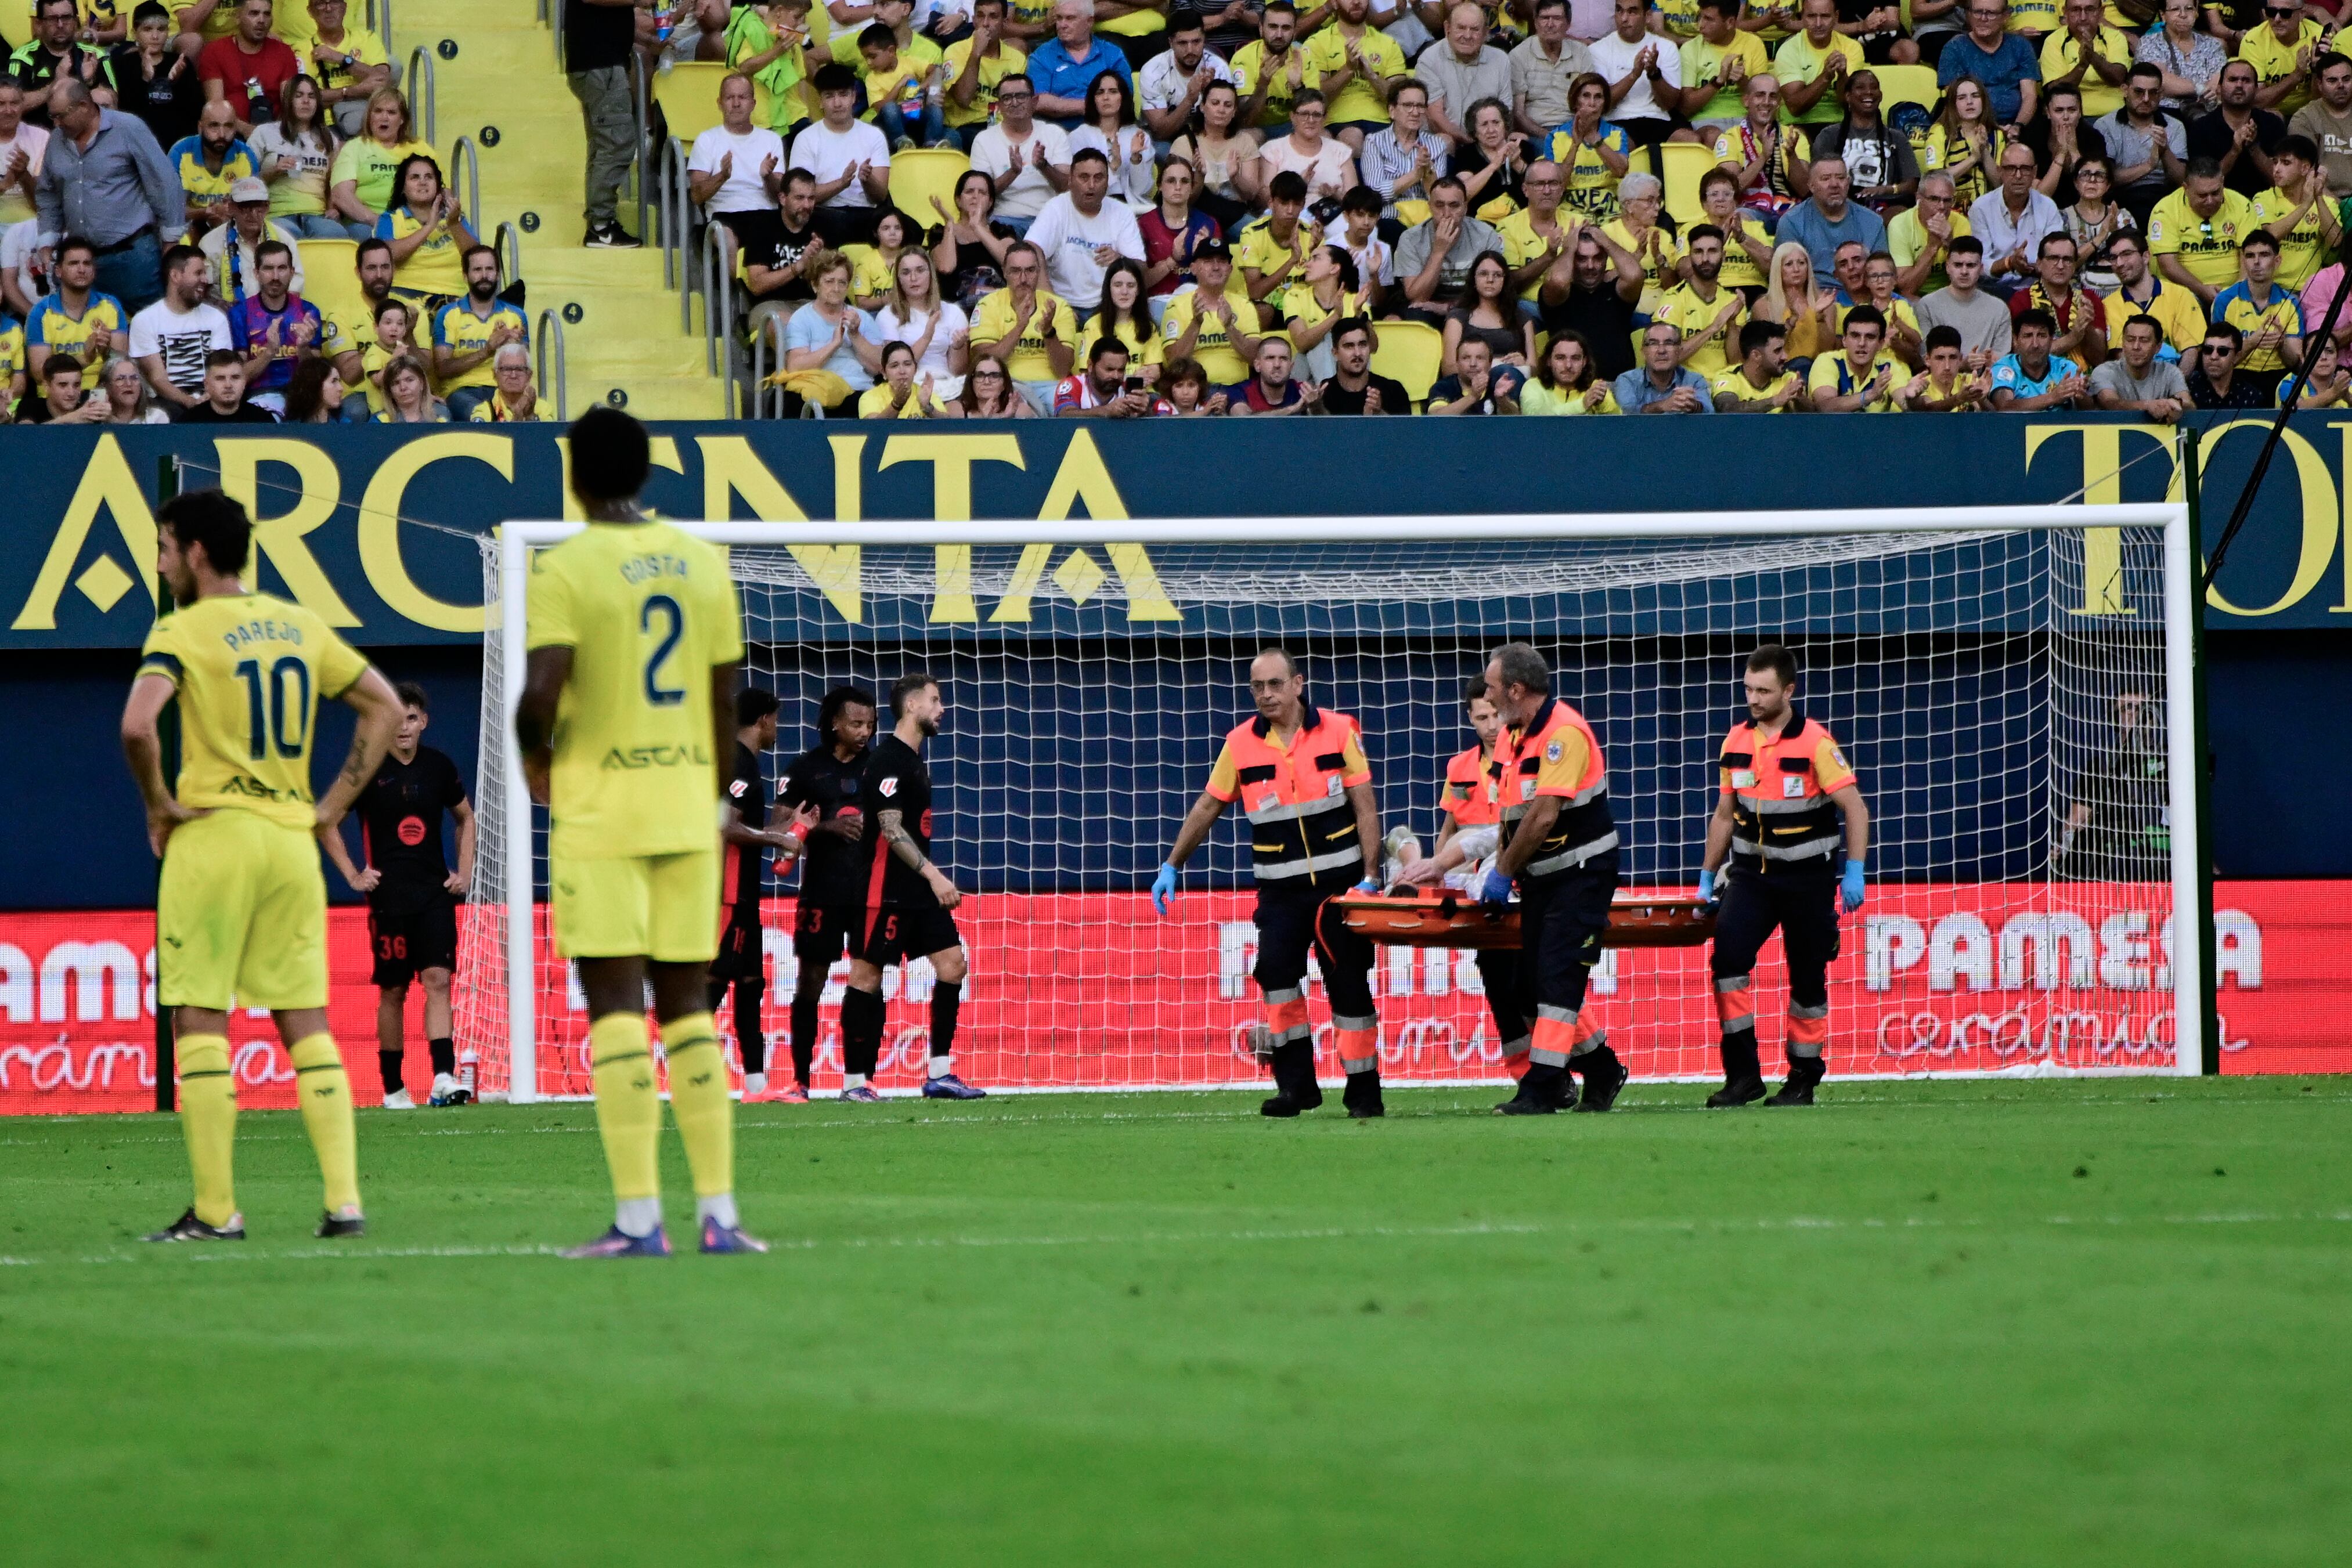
(1449, 917)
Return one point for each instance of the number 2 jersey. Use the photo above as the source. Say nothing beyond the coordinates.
(250, 670)
(648, 611)
(896, 780)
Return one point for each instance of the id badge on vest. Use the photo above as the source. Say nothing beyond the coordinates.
(1792, 787)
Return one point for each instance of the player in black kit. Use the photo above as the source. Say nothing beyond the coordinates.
(826, 779)
(412, 896)
(908, 901)
(742, 961)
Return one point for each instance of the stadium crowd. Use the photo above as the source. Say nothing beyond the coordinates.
(158, 171)
(1191, 208)
(1223, 206)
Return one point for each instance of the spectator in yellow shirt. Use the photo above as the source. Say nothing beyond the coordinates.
(2194, 233)
(1709, 315)
(2298, 213)
(1812, 66)
(1214, 323)
(1859, 376)
(2283, 51)
(2089, 55)
(1033, 332)
(1761, 382)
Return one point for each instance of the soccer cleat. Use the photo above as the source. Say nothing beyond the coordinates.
(398, 1099)
(864, 1094)
(718, 1238)
(790, 1094)
(948, 1086)
(610, 236)
(334, 1227)
(188, 1228)
(1545, 1091)
(618, 1243)
(447, 1090)
(1739, 1091)
(1601, 1095)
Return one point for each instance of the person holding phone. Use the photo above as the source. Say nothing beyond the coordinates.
(1104, 389)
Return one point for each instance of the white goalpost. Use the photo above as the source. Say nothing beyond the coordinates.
(1978, 665)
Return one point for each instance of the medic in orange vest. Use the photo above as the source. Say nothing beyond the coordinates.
(1559, 845)
(1784, 784)
(1315, 833)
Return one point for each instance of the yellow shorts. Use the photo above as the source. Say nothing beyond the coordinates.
(242, 912)
(663, 907)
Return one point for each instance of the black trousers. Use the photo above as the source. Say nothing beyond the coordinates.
(1801, 905)
(1291, 923)
(1561, 919)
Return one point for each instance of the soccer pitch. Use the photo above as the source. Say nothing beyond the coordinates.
(1924, 1323)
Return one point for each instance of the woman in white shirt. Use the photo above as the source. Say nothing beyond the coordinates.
(912, 313)
(1111, 130)
(1323, 161)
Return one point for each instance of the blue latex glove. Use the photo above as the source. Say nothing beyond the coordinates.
(1707, 887)
(1369, 885)
(1850, 888)
(1163, 888)
(1493, 889)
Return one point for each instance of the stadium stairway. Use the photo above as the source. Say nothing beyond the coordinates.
(504, 77)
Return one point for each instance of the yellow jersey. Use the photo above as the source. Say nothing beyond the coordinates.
(1657, 256)
(1735, 382)
(993, 318)
(1833, 372)
(1683, 307)
(2036, 17)
(1005, 62)
(2175, 310)
(1906, 236)
(1703, 65)
(1249, 64)
(2060, 51)
(1214, 347)
(459, 330)
(249, 670)
(1256, 248)
(2208, 247)
(2272, 61)
(436, 265)
(1143, 346)
(2302, 251)
(1796, 61)
(1358, 101)
(648, 612)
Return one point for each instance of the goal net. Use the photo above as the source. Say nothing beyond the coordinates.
(2005, 680)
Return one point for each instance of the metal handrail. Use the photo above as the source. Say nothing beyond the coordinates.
(463, 149)
(379, 21)
(425, 118)
(675, 215)
(760, 373)
(719, 309)
(508, 242)
(549, 319)
(639, 105)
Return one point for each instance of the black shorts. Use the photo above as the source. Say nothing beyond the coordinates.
(895, 933)
(743, 951)
(821, 933)
(405, 944)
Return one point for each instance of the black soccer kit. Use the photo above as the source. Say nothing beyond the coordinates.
(899, 916)
(741, 962)
(411, 915)
(832, 869)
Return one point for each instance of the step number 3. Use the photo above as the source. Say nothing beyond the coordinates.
(662, 607)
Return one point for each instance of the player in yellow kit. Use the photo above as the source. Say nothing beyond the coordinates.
(627, 711)
(242, 908)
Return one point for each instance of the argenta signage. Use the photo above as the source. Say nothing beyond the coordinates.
(375, 528)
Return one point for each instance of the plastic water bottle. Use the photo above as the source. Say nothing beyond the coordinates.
(466, 1064)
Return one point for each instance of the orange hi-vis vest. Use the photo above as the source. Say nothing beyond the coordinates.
(1302, 828)
(1781, 815)
(1468, 799)
(1556, 755)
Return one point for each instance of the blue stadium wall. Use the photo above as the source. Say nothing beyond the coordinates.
(74, 598)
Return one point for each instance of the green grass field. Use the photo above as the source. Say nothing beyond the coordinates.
(1973, 1322)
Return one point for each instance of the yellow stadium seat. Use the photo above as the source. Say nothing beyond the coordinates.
(688, 95)
(918, 175)
(1684, 164)
(331, 275)
(1410, 354)
(1906, 84)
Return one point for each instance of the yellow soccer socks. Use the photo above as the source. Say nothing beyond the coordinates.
(628, 1115)
(706, 1116)
(208, 1120)
(325, 1093)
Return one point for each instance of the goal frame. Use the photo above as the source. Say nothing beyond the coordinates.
(518, 539)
